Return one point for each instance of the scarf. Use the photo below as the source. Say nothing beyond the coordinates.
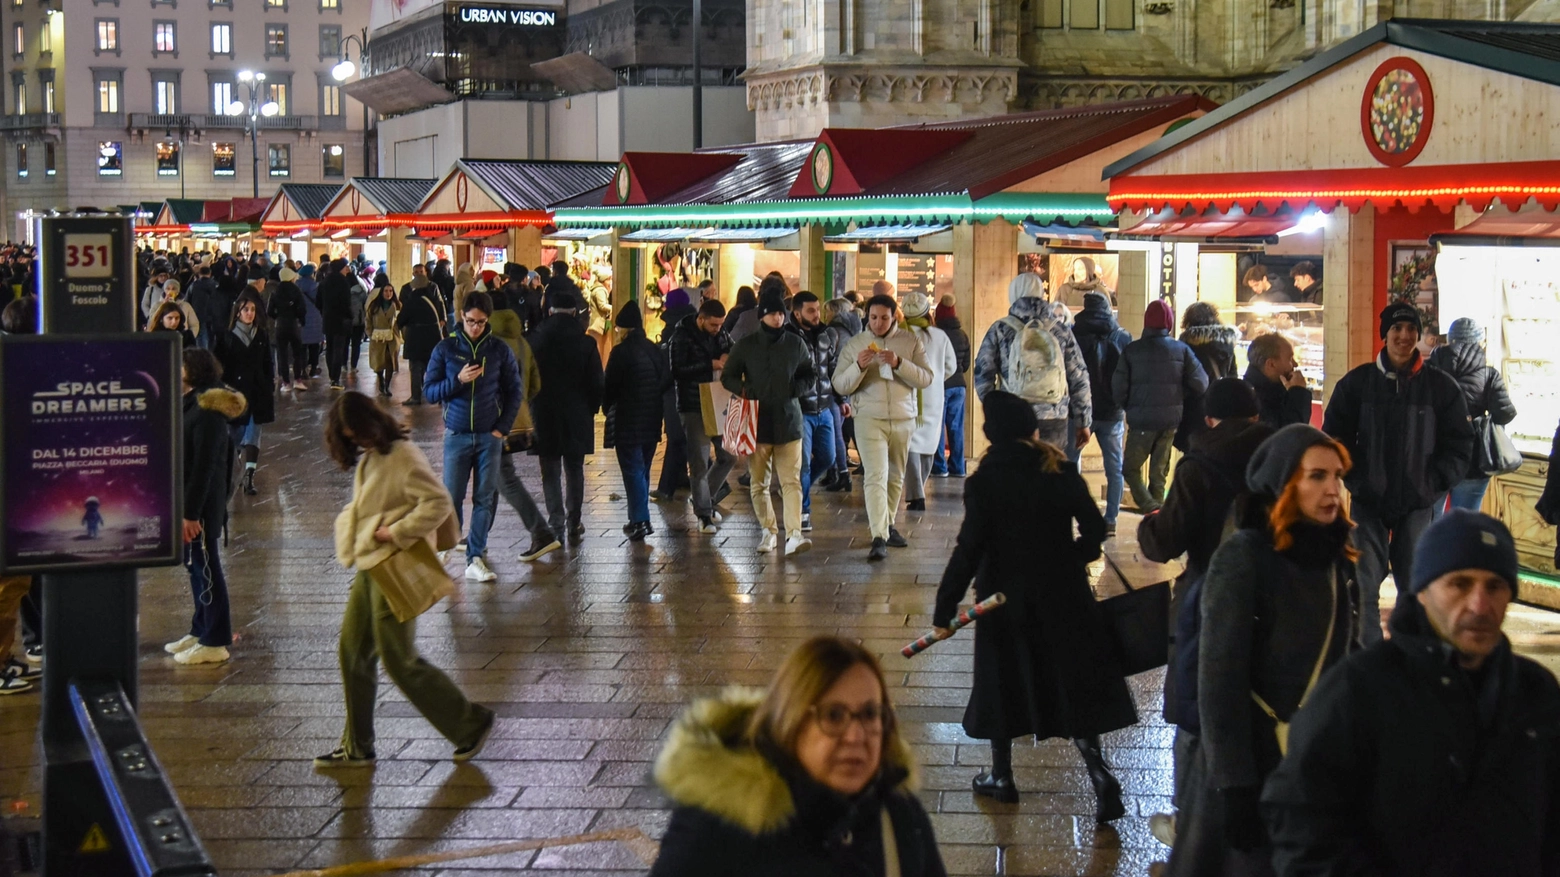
(244, 333)
(1316, 545)
(912, 324)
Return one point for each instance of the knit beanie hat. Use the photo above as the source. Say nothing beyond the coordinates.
(677, 298)
(1231, 398)
(1275, 460)
(1461, 539)
(287, 275)
(1159, 316)
(1008, 418)
(915, 304)
(562, 300)
(945, 308)
(628, 317)
(305, 270)
(488, 276)
(771, 302)
(1466, 330)
(1400, 312)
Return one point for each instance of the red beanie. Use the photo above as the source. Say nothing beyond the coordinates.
(1158, 316)
(488, 276)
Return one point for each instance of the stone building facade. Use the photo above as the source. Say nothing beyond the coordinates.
(868, 63)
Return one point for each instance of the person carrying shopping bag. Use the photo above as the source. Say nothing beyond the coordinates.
(398, 505)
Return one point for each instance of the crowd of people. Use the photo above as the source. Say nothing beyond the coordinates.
(1312, 735)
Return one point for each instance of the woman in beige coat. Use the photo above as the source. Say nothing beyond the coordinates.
(397, 502)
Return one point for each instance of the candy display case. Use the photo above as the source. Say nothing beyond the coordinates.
(1300, 323)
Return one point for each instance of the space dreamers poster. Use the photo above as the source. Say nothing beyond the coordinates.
(90, 442)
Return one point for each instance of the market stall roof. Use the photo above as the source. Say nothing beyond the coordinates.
(886, 234)
(649, 177)
(575, 234)
(180, 211)
(1232, 227)
(837, 213)
(740, 235)
(1334, 130)
(375, 203)
(979, 157)
(509, 193)
(296, 206)
(658, 235)
(1504, 228)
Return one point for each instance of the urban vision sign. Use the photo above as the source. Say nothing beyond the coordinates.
(508, 16)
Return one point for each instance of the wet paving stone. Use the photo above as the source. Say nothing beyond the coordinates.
(586, 657)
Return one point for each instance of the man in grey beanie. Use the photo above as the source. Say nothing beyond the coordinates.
(1405, 425)
(1437, 752)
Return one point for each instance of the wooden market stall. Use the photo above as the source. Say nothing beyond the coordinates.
(1411, 131)
(376, 214)
(292, 219)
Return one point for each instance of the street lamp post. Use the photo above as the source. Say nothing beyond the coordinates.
(344, 70)
(254, 82)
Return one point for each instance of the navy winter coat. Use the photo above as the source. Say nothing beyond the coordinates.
(488, 404)
(1154, 378)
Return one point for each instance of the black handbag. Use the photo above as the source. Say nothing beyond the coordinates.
(1494, 453)
(609, 429)
(1140, 619)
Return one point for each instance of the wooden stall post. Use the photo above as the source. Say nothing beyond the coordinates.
(816, 265)
(985, 260)
(525, 245)
(1349, 325)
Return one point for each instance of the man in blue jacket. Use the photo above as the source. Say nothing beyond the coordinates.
(475, 376)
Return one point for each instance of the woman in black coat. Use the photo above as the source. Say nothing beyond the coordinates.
(565, 410)
(1278, 607)
(810, 778)
(421, 322)
(637, 379)
(245, 355)
(1044, 663)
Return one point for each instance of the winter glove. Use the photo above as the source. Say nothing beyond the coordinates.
(1243, 828)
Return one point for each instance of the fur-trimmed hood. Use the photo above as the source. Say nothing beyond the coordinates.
(705, 765)
(225, 401)
(1195, 336)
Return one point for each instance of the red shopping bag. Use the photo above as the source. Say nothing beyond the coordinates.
(740, 435)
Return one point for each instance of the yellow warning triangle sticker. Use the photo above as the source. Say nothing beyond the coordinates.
(95, 841)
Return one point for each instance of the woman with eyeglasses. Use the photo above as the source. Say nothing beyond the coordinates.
(810, 777)
(1045, 663)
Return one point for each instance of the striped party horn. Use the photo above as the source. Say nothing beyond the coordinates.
(965, 617)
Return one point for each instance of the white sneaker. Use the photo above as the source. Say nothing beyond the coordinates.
(202, 655)
(181, 644)
(717, 517)
(300, 384)
(1162, 827)
(477, 571)
(707, 526)
(767, 543)
(797, 544)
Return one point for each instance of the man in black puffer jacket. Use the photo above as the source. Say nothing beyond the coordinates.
(1101, 340)
(1485, 394)
(1155, 376)
(1406, 426)
(336, 310)
(637, 377)
(1436, 753)
(817, 422)
(699, 349)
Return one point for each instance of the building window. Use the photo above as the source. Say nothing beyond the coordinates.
(1084, 15)
(107, 93)
(167, 159)
(222, 39)
(1119, 15)
(224, 160)
(330, 100)
(19, 92)
(277, 91)
(276, 41)
(1050, 13)
(276, 4)
(21, 159)
(111, 158)
(48, 93)
(16, 4)
(334, 5)
(108, 35)
(165, 93)
(220, 4)
(330, 41)
(279, 159)
(164, 38)
(335, 160)
(221, 97)
(48, 159)
(45, 38)
(19, 40)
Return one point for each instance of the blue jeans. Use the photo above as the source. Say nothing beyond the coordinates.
(1466, 494)
(817, 451)
(465, 453)
(1109, 434)
(840, 458)
(212, 623)
(952, 437)
(634, 461)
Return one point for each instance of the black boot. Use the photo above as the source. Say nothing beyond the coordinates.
(1107, 789)
(997, 784)
(249, 482)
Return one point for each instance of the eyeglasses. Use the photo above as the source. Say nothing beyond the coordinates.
(476, 323)
(834, 719)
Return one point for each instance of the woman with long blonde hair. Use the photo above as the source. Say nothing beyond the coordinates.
(1278, 608)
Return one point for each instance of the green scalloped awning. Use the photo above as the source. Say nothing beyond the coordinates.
(837, 213)
(222, 228)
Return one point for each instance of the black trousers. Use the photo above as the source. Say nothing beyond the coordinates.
(335, 355)
(416, 367)
(1384, 543)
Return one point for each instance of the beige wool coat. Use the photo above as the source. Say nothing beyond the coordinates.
(398, 490)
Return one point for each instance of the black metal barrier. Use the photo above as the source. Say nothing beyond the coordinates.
(155, 833)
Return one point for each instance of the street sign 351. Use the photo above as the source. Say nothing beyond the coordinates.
(88, 255)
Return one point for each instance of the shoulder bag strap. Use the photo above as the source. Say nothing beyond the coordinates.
(1281, 728)
(890, 844)
(438, 317)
